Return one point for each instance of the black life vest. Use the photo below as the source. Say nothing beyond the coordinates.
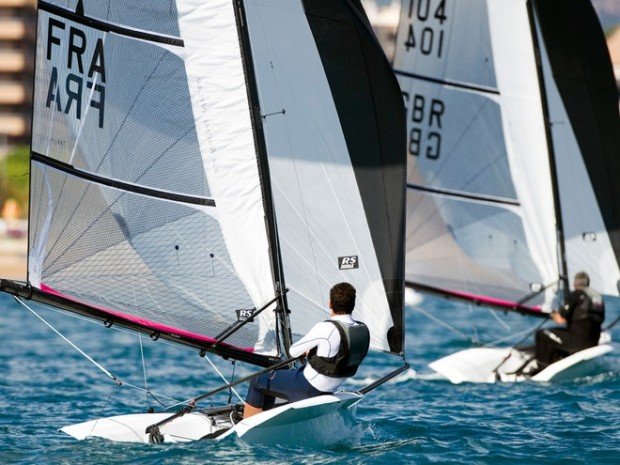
(354, 343)
(590, 307)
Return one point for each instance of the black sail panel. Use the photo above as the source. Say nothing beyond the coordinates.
(333, 122)
(370, 107)
(583, 105)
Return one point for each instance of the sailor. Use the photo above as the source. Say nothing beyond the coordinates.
(583, 315)
(334, 349)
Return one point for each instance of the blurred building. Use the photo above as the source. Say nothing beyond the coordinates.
(17, 43)
(384, 18)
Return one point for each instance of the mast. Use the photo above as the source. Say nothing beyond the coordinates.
(551, 153)
(282, 309)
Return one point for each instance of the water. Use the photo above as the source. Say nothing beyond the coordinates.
(417, 419)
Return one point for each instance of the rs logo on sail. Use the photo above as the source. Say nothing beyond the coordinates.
(86, 70)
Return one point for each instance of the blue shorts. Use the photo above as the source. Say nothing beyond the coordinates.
(291, 385)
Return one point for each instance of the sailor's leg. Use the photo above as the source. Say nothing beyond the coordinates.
(550, 345)
(257, 399)
(290, 385)
(249, 410)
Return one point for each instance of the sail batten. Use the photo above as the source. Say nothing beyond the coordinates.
(448, 82)
(463, 195)
(109, 26)
(37, 157)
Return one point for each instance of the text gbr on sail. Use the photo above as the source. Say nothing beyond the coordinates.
(425, 116)
(85, 67)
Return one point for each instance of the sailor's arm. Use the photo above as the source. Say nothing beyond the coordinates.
(559, 316)
(312, 339)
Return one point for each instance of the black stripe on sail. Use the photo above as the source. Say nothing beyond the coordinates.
(582, 71)
(109, 27)
(464, 195)
(369, 104)
(66, 168)
(446, 82)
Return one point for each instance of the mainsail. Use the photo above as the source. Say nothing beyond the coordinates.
(194, 163)
(513, 148)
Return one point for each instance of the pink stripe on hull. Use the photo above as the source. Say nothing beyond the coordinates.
(159, 327)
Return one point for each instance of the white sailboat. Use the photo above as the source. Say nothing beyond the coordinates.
(514, 157)
(204, 172)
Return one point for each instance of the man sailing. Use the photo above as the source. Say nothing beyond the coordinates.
(583, 316)
(335, 348)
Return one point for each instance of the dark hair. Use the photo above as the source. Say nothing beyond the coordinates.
(342, 297)
(582, 279)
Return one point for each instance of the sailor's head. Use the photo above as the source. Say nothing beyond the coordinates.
(581, 280)
(342, 299)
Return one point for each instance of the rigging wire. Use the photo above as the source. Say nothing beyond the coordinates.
(114, 378)
(146, 384)
(447, 326)
(117, 381)
(232, 379)
(225, 380)
(527, 332)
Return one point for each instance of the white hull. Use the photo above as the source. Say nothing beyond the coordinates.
(320, 421)
(480, 365)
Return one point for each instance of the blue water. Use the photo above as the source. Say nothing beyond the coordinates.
(45, 384)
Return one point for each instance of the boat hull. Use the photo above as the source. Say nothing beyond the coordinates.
(489, 365)
(321, 420)
(318, 421)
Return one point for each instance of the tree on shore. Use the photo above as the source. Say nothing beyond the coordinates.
(14, 178)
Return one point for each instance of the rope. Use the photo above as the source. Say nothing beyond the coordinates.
(527, 332)
(146, 385)
(225, 380)
(613, 323)
(116, 380)
(232, 378)
(446, 325)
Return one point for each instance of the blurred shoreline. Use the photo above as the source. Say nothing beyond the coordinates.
(13, 258)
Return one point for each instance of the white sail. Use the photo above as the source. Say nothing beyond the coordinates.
(320, 201)
(482, 220)
(585, 139)
(146, 197)
(191, 160)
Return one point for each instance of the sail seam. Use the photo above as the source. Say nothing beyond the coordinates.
(460, 85)
(150, 192)
(110, 27)
(452, 193)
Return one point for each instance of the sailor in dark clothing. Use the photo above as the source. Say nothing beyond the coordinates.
(583, 315)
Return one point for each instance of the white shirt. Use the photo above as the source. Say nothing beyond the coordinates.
(326, 338)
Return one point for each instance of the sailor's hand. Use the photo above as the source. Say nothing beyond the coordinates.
(559, 319)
